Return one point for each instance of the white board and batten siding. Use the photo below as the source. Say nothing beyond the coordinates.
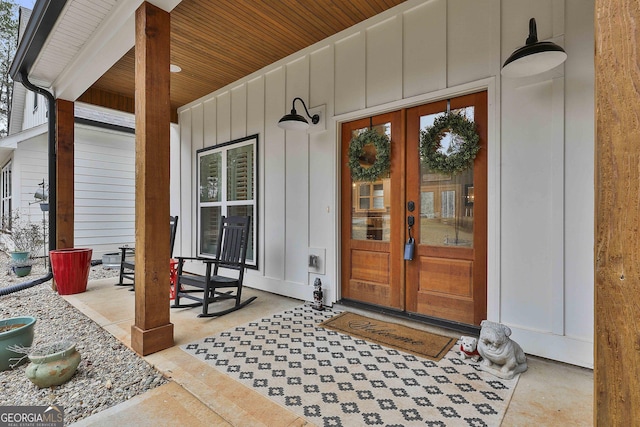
(540, 260)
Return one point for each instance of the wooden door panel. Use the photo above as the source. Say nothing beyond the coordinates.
(370, 266)
(443, 252)
(444, 306)
(368, 292)
(446, 276)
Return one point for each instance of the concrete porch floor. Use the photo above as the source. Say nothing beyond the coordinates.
(548, 394)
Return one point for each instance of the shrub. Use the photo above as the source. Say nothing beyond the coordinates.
(26, 236)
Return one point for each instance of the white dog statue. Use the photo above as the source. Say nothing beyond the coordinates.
(501, 356)
(469, 348)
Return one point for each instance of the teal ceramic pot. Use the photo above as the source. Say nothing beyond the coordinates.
(53, 365)
(21, 271)
(19, 256)
(15, 331)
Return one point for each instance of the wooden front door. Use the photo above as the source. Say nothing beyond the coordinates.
(372, 217)
(446, 279)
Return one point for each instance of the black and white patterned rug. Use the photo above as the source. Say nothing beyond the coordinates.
(332, 379)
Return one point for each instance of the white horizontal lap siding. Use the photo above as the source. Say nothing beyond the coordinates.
(104, 190)
(540, 264)
(30, 168)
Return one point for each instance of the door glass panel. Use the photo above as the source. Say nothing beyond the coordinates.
(446, 201)
(370, 212)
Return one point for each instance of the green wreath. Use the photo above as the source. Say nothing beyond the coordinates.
(460, 154)
(367, 165)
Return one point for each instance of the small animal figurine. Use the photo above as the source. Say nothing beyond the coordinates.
(501, 356)
(317, 295)
(468, 348)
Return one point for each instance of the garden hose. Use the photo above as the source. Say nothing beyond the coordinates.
(31, 283)
(25, 285)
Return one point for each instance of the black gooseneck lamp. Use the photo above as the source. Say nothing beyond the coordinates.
(534, 57)
(295, 121)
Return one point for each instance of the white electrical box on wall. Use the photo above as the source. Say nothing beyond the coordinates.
(316, 260)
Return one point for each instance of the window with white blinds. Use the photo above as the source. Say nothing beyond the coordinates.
(227, 186)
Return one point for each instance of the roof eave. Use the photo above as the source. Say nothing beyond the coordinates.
(43, 19)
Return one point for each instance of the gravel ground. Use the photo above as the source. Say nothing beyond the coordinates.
(109, 372)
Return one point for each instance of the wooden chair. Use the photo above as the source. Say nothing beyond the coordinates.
(231, 253)
(127, 255)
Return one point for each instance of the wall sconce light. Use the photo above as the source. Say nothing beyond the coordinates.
(534, 57)
(295, 121)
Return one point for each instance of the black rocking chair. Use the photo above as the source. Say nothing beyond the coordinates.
(231, 253)
(127, 255)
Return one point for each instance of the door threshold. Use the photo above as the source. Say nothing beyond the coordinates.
(421, 318)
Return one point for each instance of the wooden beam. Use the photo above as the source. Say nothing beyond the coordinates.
(65, 173)
(617, 213)
(112, 100)
(115, 101)
(152, 330)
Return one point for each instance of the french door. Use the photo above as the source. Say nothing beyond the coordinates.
(446, 278)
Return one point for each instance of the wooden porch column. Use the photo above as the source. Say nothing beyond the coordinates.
(152, 330)
(617, 213)
(64, 176)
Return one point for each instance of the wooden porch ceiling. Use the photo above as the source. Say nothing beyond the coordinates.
(218, 42)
